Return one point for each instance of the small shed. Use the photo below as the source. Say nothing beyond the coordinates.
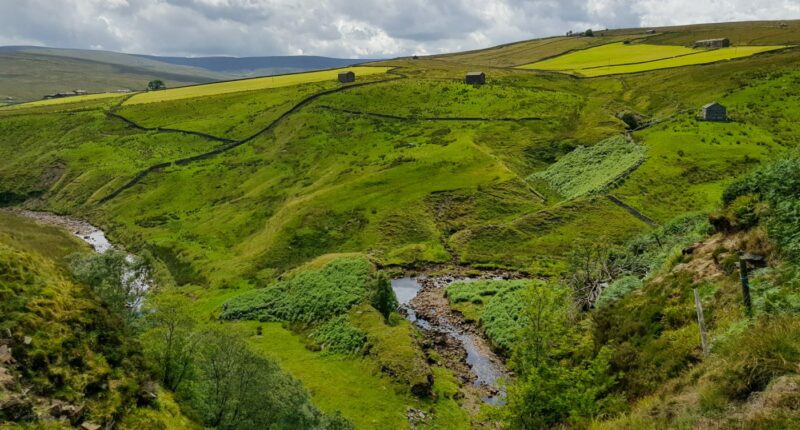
(476, 78)
(712, 43)
(651, 31)
(347, 77)
(714, 112)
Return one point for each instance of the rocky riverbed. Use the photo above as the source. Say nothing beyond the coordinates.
(461, 346)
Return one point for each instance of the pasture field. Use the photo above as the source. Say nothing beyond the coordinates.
(251, 84)
(65, 101)
(506, 98)
(234, 115)
(611, 54)
(712, 56)
(618, 58)
(531, 51)
(689, 164)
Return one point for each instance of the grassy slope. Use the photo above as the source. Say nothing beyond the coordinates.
(65, 322)
(28, 76)
(325, 181)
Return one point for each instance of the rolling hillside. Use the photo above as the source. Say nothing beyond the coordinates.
(588, 209)
(260, 66)
(28, 73)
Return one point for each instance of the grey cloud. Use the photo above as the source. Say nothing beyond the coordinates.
(345, 28)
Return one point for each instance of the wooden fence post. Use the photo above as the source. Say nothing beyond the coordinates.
(701, 322)
(748, 305)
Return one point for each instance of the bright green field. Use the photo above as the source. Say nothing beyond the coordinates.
(618, 58)
(250, 84)
(610, 55)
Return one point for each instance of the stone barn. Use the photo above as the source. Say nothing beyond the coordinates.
(712, 43)
(347, 77)
(714, 112)
(476, 78)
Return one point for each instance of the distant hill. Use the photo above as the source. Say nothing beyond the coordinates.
(29, 73)
(259, 66)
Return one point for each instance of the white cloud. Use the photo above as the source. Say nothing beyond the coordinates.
(344, 28)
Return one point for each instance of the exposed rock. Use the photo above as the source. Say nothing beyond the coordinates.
(17, 408)
(27, 340)
(90, 426)
(71, 413)
(416, 417)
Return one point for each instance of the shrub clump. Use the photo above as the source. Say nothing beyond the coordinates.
(617, 290)
(339, 336)
(307, 296)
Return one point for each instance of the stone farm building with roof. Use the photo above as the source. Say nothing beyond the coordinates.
(714, 112)
(476, 78)
(712, 43)
(347, 77)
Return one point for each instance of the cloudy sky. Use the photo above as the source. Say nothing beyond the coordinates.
(342, 28)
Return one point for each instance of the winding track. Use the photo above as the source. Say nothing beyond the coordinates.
(229, 144)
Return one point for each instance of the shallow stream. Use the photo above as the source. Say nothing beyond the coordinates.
(486, 368)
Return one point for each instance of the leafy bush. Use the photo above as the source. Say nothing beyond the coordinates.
(382, 296)
(338, 335)
(651, 250)
(590, 169)
(617, 290)
(308, 296)
(778, 185)
(233, 388)
(558, 380)
(117, 278)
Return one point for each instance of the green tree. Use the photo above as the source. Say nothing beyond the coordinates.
(170, 339)
(237, 389)
(116, 278)
(559, 380)
(383, 297)
(155, 85)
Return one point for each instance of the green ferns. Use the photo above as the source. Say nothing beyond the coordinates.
(588, 170)
(501, 315)
(308, 296)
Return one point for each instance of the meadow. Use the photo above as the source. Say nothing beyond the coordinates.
(250, 84)
(620, 58)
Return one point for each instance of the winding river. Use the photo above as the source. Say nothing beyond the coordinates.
(96, 238)
(422, 299)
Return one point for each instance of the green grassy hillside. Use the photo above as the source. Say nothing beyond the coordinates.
(29, 74)
(271, 208)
